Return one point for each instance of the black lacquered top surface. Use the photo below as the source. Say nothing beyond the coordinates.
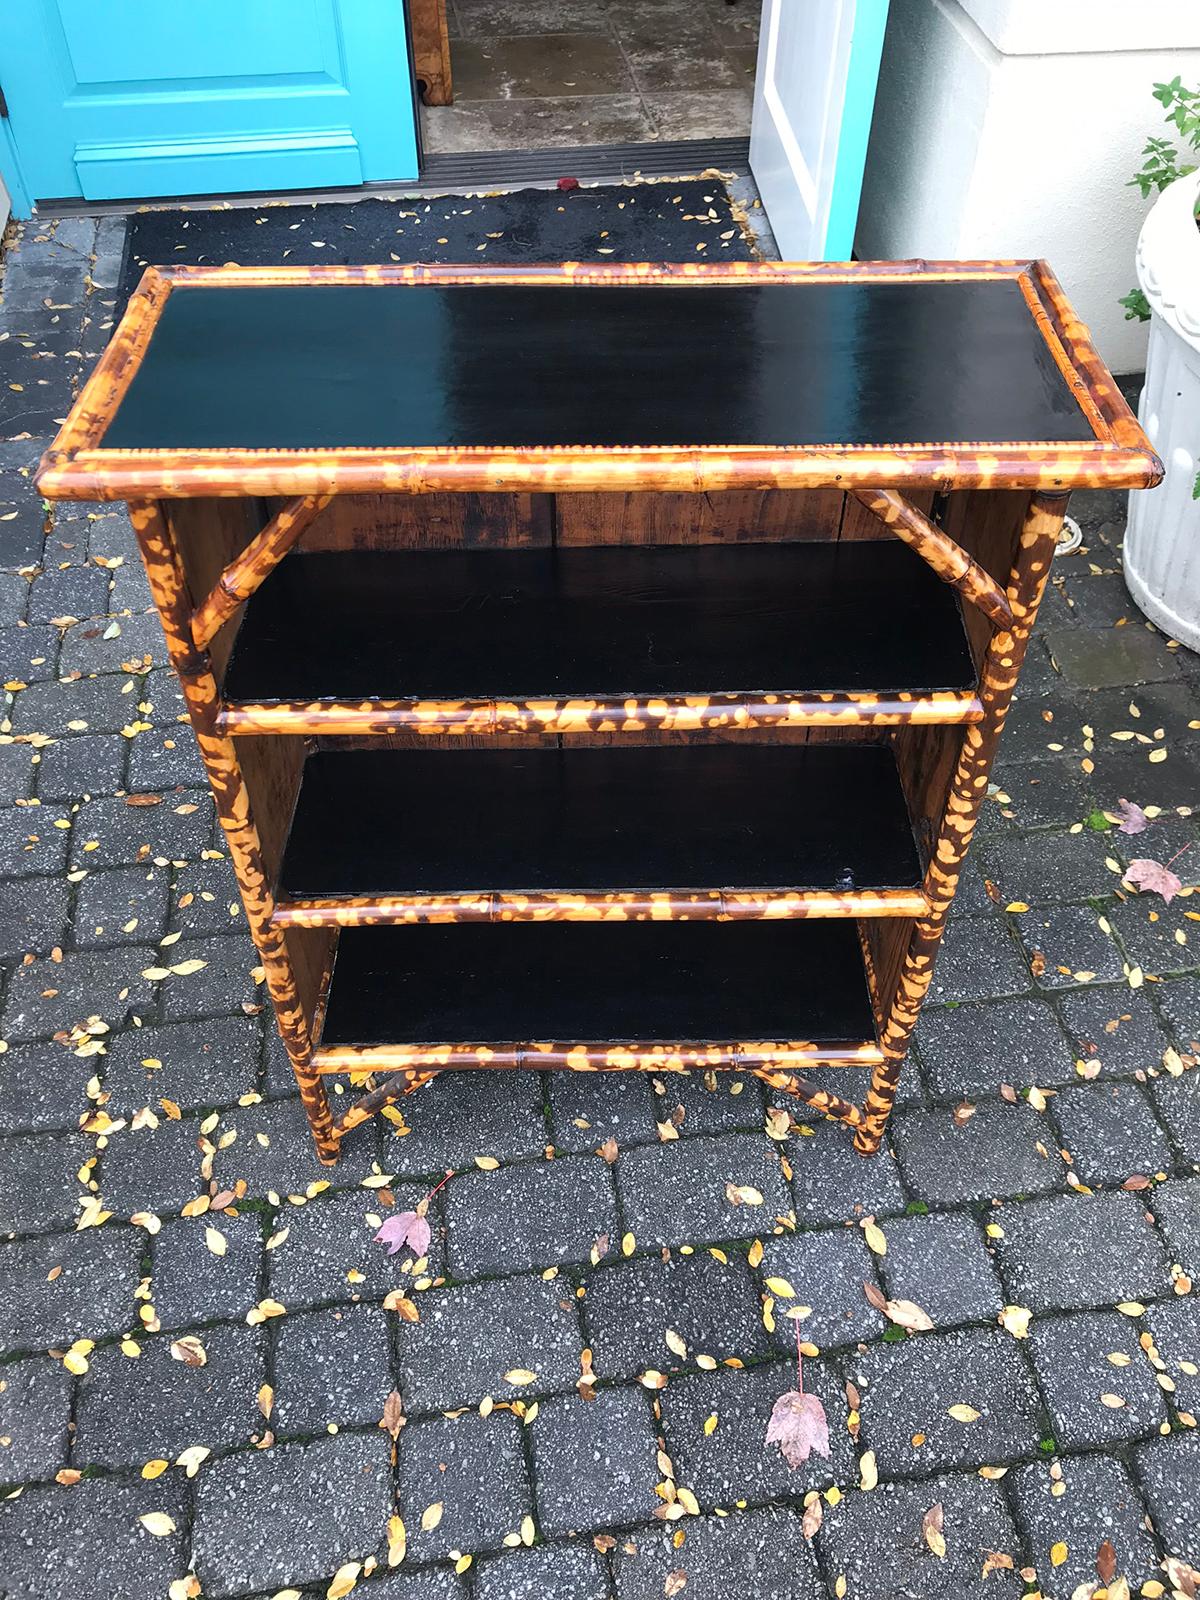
(308, 366)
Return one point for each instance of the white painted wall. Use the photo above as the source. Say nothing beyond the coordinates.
(5, 207)
(1011, 127)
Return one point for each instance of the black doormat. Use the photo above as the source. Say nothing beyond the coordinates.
(689, 219)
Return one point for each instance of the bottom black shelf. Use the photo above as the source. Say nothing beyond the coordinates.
(597, 982)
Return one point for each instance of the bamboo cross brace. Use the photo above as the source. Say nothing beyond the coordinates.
(398, 1084)
(951, 563)
(256, 563)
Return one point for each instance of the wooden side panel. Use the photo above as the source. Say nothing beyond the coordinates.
(885, 942)
(721, 517)
(859, 522)
(430, 521)
(987, 524)
(926, 758)
(207, 535)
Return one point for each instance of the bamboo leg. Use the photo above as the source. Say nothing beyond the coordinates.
(1001, 666)
(169, 587)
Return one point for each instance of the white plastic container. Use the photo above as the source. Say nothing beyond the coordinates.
(1162, 540)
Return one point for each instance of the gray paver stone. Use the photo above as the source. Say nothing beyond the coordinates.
(110, 907)
(49, 997)
(725, 1102)
(713, 1305)
(675, 1192)
(1169, 1470)
(1177, 1207)
(594, 1461)
(973, 1049)
(35, 1408)
(1112, 1133)
(1116, 1027)
(333, 1236)
(38, 1186)
(1073, 1251)
(827, 1271)
(93, 763)
(538, 1214)
(588, 1107)
(474, 1468)
(1178, 1101)
(191, 1284)
(1179, 1004)
(907, 1390)
(461, 1115)
(875, 1542)
(152, 1169)
(1093, 1402)
(43, 1086)
(1069, 941)
(941, 1262)
(200, 1064)
(831, 1182)
(1174, 1326)
(471, 1335)
(331, 1367)
(734, 1462)
(90, 1295)
(568, 1572)
(979, 959)
(274, 1150)
(133, 1410)
(291, 1515)
(1001, 1150)
(752, 1553)
(1096, 1500)
(86, 1542)
(33, 916)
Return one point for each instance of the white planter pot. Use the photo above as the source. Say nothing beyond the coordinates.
(1162, 541)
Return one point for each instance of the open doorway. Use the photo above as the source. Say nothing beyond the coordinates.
(548, 74)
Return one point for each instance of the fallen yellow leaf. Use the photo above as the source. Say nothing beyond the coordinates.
(158, 1523)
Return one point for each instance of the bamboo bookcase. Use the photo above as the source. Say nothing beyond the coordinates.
(587, 672)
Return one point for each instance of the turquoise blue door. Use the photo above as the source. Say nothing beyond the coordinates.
(125, 99)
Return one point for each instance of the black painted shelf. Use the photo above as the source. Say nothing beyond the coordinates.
(598, 982)
(563, 623)
(785, 819)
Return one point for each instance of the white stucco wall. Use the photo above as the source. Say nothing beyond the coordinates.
(1011, 127)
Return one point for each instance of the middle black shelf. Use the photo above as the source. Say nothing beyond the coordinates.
(721, 830)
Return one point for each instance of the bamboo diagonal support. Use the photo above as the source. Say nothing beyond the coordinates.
(392, 1088)
(951, 563)
(255, 564)
(829, 1105)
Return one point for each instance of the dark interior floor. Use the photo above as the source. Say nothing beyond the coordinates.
(541, 74)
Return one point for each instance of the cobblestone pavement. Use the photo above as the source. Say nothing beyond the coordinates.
(1044, 1158)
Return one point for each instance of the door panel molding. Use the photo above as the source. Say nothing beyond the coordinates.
(325, 159)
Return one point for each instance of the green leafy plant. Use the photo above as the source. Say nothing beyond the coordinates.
(1163, 161)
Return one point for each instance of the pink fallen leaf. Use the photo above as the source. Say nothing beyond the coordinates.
(405, 1228)
(798, 1427)
(1130, 818)
(1151, 877)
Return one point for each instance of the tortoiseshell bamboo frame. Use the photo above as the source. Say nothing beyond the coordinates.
(879, 476)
